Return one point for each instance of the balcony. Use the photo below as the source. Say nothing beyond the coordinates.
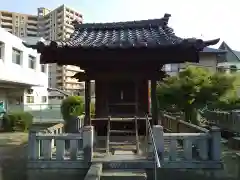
(6, 23)
(7, 27)
(32, 21)
(7, 16)
(33, 27)
(73, 68)
(34, 32)
(59, 80)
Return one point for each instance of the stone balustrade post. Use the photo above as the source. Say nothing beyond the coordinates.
(88, 136)
(33, 146)
(238, 165)
(215, 151)
(159, 139)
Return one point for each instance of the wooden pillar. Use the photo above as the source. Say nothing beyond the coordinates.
(87, 119)
(136, 97)
(154, 102)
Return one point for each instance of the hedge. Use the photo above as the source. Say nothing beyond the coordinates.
(17, 121)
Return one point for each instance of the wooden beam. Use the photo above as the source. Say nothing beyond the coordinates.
(154, 102)
(136, 96)
(87, 118)
(119, 75)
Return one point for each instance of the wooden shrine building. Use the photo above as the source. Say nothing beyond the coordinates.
(122, 58)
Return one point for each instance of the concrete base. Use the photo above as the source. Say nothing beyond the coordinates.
(59, 174)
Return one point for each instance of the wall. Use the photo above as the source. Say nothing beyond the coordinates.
(52, 74)
(20, 73)
(21, 77)
(208, 60)
(38, 93)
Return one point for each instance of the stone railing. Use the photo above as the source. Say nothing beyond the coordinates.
(175, 124)
(227, 120)
(54, 148)
(191, 150)
(188, 144)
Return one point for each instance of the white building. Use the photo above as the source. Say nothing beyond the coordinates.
(23, 80)
(229, 67)
(208, 58)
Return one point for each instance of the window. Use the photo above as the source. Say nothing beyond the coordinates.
(233, 68)
(1, 50)
(16, 56)
(44, 99)
(30, 99)
(31, 62)
(43, 68)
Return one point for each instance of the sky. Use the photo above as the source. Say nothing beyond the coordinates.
(206, 19)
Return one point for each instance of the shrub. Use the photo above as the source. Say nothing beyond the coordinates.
(17, 121)
(72, 106)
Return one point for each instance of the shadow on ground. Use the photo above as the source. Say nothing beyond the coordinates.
(173, 174)
(13, 162)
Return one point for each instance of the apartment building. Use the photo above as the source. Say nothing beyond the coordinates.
(23, 80)
(51, 25)
(18, 24)
(57, 25)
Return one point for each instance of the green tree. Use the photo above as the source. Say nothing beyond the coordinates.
(72, 107)
(231, 99)
(192, 89)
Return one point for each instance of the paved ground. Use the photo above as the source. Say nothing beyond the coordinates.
(13, 156)
(230, 162)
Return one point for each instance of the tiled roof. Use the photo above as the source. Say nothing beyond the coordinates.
(128, 34)
(135, 34)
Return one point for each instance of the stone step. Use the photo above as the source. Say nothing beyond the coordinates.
(121, 151)
(121, 143)
(122, 131)
(124, 174)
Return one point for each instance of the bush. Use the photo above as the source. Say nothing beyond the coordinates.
(72, 106)
(17, 121)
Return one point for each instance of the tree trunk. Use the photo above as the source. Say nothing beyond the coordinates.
(71, 126)
(192, 115)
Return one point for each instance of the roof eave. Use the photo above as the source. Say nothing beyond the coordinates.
(197, 43)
